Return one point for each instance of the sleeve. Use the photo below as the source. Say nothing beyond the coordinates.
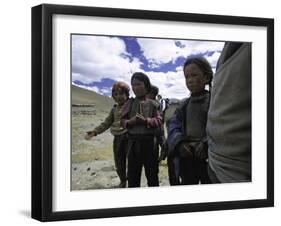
(155, 121)
(106, 123)
(125, 113)
(161, 135)
(175, 133)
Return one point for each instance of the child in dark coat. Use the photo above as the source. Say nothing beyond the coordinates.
(187, 129)
(141, 118)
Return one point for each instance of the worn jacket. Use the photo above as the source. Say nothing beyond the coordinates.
(112, 121)
(150, 112)
(178, 131)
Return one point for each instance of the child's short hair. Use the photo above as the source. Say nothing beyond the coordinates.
(154, 90)
(143, 78)
(121, 86)
(203, 64)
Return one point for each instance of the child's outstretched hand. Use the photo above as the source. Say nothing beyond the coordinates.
(90, 134)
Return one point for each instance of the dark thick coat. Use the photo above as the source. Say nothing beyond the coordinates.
(229, 128)
(188, 125)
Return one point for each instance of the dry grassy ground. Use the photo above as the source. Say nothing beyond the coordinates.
(92, 161)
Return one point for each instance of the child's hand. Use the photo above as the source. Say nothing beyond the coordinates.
(201, 151)
(135, 121)
(132, 122)
(162, 156)
(140, 119)
(185, 150)
(164, 152)
(90, 134)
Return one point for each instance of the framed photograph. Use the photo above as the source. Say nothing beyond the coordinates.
(139, 112)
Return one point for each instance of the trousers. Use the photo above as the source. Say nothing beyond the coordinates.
(141, 153)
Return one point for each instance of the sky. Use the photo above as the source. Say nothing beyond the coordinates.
(100, 61)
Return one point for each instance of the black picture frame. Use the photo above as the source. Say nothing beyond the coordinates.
(42, 108)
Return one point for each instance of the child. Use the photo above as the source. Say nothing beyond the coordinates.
(187, 130)
(141, 118)
(160, 139)
(120, 93)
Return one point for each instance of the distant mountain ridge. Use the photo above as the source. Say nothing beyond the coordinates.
(82, 96)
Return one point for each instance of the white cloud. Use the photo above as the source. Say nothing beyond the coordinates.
(213, 59)
(197, 47)
(105, 90)
(179, 68)
(170, 84)
(97, 57)
(160, 51)
(81, 77)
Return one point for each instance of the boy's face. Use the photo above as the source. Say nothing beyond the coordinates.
(194, 78)
(138, 88)
(119, 96)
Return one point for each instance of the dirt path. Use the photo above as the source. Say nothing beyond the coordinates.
(101, 174)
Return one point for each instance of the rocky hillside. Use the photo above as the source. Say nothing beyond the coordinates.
(82, 96)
